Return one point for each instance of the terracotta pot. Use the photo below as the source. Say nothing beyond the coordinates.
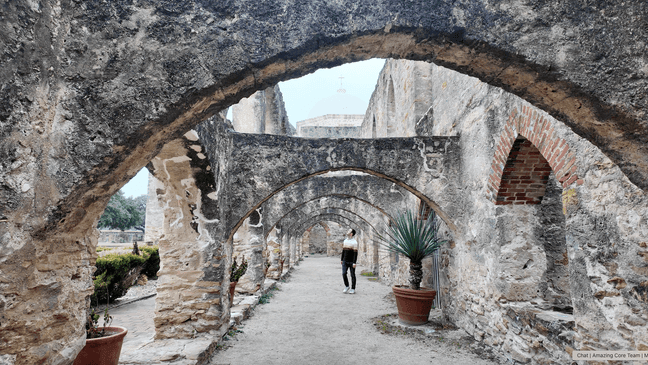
(231, 290)
(103, 350)
(413, 305)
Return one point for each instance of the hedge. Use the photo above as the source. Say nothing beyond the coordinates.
(112, 269)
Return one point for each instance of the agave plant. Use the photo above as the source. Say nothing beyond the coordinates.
(415, 238)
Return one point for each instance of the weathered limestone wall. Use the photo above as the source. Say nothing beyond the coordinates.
(317, 239)
(192, 276)
(274, 260)
(336, 238)
(401, 98)
(578, 248)
(250, 243)
(262, 112)
(92, 93)
(154, 223)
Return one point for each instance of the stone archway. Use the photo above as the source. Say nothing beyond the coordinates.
(92, 99)
(379, 192)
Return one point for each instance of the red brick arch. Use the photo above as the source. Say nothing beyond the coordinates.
(521, 166)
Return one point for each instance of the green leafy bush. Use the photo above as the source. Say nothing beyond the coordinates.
(152, 265)
(112, 269)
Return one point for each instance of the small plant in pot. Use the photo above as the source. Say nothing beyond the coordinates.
(416, 237)
(103, 344)
(235, 274)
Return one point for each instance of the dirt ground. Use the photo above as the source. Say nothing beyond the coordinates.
(308, 320)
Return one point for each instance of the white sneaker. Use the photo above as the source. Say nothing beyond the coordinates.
(346, 290)
(352, 291)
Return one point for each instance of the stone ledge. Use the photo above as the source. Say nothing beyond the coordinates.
(195, 351)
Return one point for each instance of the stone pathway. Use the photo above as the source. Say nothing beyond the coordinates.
(310, 321)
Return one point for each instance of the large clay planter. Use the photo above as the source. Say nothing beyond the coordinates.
(231, 290)
(103, 350)
(413, 305)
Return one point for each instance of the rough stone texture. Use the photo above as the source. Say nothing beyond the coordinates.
(154, 223)
(525, 264)
(401, 99)
(262, 112)
(92, 92)
(259, 170)
(250, 243)
(192, 272)
(316, 238)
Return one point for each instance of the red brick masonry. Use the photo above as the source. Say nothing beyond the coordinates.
(525, 155)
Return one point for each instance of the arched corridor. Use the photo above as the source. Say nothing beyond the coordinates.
(91, 94)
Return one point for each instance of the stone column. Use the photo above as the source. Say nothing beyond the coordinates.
(192, 273)
(285, 254)
(306, 241)
(154, 226)
(274, 255)
(251, 247)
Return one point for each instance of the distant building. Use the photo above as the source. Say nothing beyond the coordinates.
(331, 126)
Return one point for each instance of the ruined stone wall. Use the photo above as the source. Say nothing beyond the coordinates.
(401, 98)
(154, 221)
(539, 260)
(249, 243)
(262, 112)
(91, 94)
(336, 239)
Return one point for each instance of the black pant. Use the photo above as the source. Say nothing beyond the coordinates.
(345, 266)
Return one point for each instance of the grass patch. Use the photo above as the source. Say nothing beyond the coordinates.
(265, 298)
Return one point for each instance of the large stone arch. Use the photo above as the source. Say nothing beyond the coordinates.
(91, 99)
(423, 166)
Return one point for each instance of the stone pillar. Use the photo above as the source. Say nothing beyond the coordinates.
(192, 274)
(251, 247)
(294, 255)
(46, 285)
(274, 255)
(306, 242)
(285, 254)
(154, 226)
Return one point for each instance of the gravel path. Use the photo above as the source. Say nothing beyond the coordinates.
(310, 321)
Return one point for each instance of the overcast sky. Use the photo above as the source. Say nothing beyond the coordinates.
(319, 93)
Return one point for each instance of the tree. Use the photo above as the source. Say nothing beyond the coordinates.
(124, 213)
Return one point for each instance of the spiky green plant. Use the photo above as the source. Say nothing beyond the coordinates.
(415, 238)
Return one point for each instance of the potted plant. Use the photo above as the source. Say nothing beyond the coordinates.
(103, 345)
(235, 274)
(415, 237)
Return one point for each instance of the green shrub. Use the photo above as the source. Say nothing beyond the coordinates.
(152, 265)
(113, 268)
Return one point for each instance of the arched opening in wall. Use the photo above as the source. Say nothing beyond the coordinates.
(319, 238)
(352, 170)
(534, 264)
(127, 230)
(195, 106)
